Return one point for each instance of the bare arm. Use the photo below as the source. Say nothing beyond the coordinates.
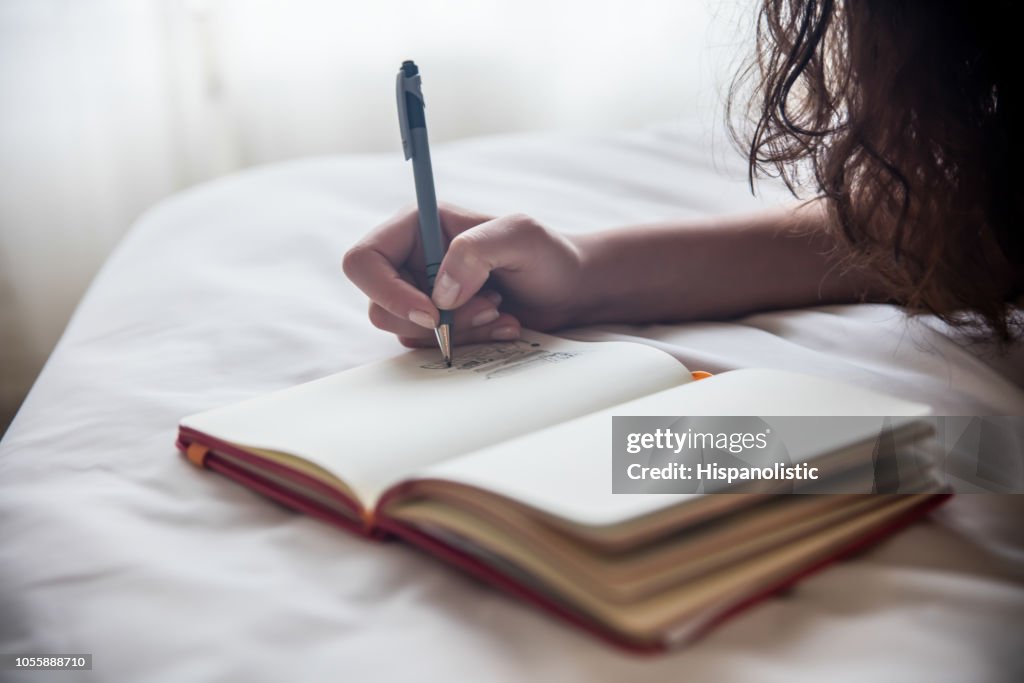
(716, 268)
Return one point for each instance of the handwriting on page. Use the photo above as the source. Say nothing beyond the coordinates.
(498, 360)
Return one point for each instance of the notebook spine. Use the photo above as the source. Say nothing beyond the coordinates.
(200, 453)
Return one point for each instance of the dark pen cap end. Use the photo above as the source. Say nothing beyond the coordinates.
(409, 68)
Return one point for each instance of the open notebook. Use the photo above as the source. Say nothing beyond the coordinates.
(502, 466)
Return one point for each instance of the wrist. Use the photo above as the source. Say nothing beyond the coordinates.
(584, 295)
(610, 287)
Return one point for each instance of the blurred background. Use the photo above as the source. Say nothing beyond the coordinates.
(106, 106)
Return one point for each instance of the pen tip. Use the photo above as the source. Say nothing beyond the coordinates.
(444, 340)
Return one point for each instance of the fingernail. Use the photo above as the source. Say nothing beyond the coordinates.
(422, 318)
(493, 297)
(505, 333)
(446, 289)
(484, 317)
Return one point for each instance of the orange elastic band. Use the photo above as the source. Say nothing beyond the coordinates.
(196, 454)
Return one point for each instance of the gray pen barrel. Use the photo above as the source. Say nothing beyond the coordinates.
(426, 199)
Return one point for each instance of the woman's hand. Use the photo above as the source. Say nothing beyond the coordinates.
(498, 274)
(501, 273)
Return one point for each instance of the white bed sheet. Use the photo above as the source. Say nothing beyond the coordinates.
(111, 544)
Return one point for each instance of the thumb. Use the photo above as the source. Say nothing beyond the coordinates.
(502, 243)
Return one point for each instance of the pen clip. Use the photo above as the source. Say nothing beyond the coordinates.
(407, 84)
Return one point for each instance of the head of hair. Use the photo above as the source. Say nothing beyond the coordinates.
(901, 115)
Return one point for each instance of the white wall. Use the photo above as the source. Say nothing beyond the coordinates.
(106, 106)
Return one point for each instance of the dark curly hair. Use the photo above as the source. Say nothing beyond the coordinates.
(904, 115)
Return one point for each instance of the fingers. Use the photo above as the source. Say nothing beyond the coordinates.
(372, 272)
(502, 243)
(478, 320)
(505, 328)
(373, 264)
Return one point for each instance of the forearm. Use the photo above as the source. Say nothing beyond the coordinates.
(716, 268)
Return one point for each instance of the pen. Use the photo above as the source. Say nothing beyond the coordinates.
(413, 126)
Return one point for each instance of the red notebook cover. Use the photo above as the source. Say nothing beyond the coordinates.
(202, 451)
